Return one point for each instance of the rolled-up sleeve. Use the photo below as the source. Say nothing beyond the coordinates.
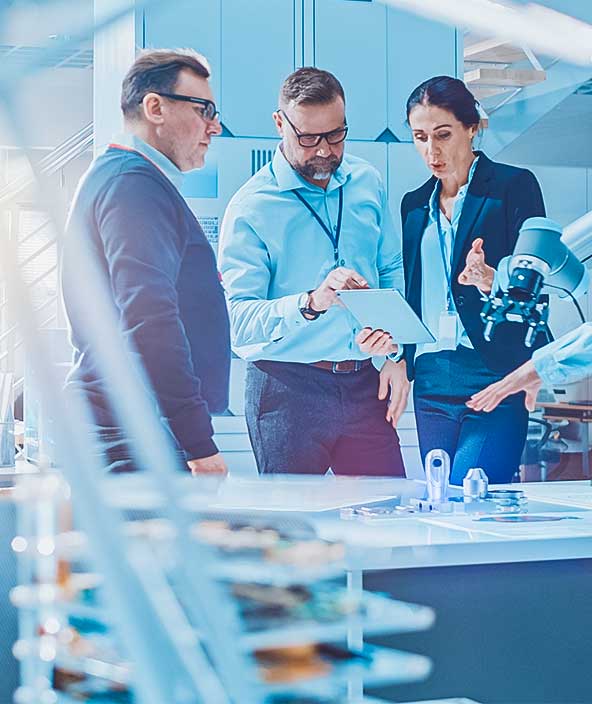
(567, 359)
(246, 273)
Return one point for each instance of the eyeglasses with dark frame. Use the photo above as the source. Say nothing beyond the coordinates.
(209, 111)
(313, 140)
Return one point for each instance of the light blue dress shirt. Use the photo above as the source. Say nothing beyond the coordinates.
(567, 359)
(434, 289)
(272, 250)
(170, 170)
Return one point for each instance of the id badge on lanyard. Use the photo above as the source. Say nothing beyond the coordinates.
(448, 330)
(449, 323)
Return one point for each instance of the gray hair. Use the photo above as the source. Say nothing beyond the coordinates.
(310, 86)
(157, 71)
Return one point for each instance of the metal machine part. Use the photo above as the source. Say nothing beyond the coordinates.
(437, 471)
(508, 500)
(475, 484)
(540, 259)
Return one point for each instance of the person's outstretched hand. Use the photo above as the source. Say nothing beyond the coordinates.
(525, 378)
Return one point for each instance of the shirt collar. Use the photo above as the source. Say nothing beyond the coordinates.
(162, 162)
(462, 191)
(288, 179)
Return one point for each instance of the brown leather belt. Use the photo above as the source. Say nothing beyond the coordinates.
(345, 367)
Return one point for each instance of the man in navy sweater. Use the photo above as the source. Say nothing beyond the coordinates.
(156, 262)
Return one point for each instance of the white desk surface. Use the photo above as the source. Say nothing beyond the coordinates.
(457, 539)
(405, 541)
(416, 540)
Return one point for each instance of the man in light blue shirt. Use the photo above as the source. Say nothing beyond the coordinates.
(311, 222)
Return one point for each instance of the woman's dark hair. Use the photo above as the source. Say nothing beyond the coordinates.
(449, 94)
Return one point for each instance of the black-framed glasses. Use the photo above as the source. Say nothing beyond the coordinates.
(313, 140)
(208, 112)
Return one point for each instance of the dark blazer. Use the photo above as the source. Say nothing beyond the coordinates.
(500, 198)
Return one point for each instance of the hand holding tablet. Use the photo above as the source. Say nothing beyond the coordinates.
(386, 309)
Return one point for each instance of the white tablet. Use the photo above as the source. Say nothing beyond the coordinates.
(386, 309)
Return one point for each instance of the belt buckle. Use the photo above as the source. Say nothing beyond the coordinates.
(336, 370)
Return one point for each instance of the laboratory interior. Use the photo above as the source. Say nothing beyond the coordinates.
(218, 219)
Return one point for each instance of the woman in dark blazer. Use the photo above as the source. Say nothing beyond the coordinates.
(456, 228)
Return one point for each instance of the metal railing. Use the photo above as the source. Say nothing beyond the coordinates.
(11, 344)
(61, 156)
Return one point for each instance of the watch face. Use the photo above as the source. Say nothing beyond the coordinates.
(306, 310)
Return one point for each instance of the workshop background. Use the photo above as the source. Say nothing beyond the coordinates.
(61, 65)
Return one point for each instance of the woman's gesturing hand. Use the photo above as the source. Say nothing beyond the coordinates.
(477, 272)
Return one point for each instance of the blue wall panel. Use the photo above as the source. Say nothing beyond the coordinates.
(379, 55)
(406, 172)
(373, 152)
(564, 190)
(417, 50)
(187, 23)
(251, 50)
(350, 41)
(257, 54)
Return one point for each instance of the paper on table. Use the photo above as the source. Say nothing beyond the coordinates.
(559, 529)
(308, 493)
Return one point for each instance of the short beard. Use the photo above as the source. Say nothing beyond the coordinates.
(319, 168)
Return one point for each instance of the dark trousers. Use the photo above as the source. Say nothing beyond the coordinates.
(303, 420)
(112, 448)
(116, 454)
(494, 441)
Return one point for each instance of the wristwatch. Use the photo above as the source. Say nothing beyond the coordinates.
(307, 310)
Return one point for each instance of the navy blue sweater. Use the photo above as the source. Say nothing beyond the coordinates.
(163, 278)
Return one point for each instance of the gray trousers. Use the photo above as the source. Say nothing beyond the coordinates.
(303, 420)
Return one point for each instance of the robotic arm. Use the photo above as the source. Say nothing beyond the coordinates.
(540, 261)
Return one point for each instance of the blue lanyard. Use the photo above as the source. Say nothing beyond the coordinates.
(447, 261)
(334, 238)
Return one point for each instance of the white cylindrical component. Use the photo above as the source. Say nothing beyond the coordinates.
(578, 236)
(475, 484)
(540, 246)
